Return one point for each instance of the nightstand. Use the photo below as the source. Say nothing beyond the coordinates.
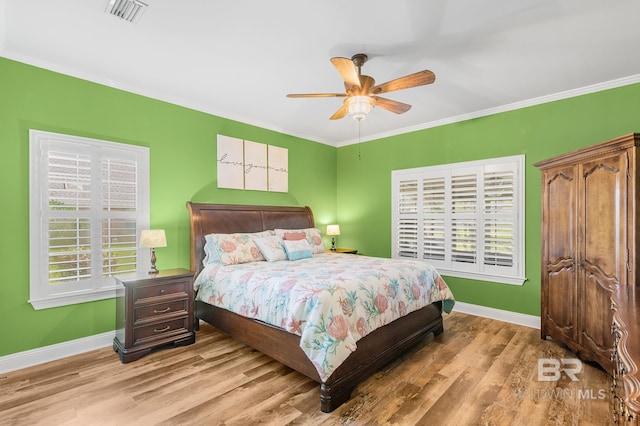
(152, 311)
(343, 250)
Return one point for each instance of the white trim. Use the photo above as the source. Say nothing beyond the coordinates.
(73, 298)
(53, 352)
(526, 320)
(502, 279)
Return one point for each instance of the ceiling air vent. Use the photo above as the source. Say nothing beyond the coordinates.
(129, 10)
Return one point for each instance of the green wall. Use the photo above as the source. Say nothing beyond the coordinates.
(182, 145)
(539, 132)
(349, 185)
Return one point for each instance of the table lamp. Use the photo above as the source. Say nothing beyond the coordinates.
(333, 230)
(152, 238)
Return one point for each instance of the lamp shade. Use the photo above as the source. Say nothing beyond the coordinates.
(333, 229)
(359, 106)
(152, 238)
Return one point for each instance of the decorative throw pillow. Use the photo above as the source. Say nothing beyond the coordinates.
(271, 247)
(312, 235)
(297, 249)
(210, 253)
(237, 248)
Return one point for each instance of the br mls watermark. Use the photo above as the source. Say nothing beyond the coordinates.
(554, 370)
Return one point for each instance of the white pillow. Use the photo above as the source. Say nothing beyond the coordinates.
(297, 249)
(271, 247)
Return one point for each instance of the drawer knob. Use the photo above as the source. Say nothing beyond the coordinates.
(162, 291)
(161, 330)
(162, 311)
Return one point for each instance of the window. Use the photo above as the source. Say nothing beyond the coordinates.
(88, 203)
(467, 219)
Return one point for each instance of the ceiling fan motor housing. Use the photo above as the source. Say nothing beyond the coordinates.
(359, 59)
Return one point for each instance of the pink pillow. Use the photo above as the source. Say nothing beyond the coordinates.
(294, 236)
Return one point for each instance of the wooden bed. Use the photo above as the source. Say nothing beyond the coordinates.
(374, 351)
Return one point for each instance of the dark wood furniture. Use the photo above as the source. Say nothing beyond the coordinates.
(374, 350)
(153, 310)
(343, 250)
(625, 304)
(588, 243)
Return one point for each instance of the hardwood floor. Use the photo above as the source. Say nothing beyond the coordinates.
(478, 372)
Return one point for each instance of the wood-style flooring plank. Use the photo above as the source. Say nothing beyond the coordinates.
(478, 372)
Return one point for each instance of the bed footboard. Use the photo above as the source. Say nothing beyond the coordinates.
(374, 351)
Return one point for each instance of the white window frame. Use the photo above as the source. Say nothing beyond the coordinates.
(408, 218)
(43, 294)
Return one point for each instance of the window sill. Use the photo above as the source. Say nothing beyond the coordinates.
(72, 298)
(483, 277)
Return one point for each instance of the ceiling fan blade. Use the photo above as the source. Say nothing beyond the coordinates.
(347, 70)
(316, 95)
(339, 113)
(390, 105)
(419, 78)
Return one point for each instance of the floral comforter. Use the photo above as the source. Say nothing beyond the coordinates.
(330, 300)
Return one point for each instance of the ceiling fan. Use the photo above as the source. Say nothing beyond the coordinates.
(362, 93)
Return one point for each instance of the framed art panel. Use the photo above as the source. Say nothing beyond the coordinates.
(255, 166)
(230, 162)
(278, 173)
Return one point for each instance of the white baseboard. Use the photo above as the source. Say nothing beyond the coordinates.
(51, 353)
(498, 314)
(61, 350)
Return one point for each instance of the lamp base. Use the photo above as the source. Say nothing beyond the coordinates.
(333, 243)
(153, 270)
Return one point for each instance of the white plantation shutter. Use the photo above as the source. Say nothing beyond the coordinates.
(119, 227)
(464, 218)
(69, 216)
(407, 208)
(467, 219)
(500, 216)
(88, 204)
(433, 207)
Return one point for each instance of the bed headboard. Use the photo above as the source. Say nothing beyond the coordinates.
(230, 218)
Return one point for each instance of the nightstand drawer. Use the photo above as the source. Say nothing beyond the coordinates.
(151, 312)
(170, 288)
(160, 330)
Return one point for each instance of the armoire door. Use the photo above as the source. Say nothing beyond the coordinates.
(559, 275)
(602, 243)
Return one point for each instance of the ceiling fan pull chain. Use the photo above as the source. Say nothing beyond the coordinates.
(359, 157)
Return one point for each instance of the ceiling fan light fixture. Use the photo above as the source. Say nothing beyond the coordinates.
(359, 106)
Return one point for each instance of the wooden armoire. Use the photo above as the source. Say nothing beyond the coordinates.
(589, 227)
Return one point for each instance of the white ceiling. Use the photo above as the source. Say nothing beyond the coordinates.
(238, 59)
